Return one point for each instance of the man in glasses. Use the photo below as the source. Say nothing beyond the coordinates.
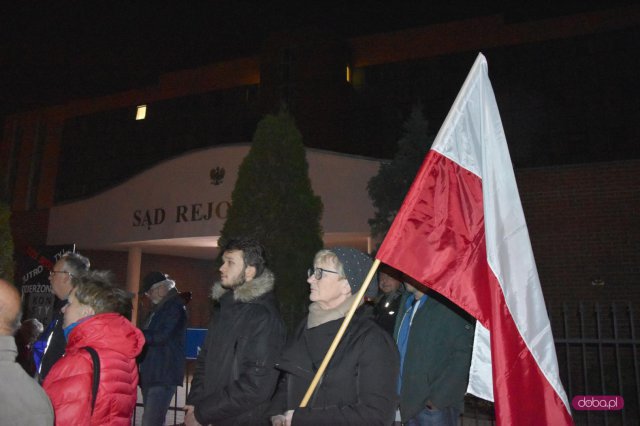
(49, 348)
(234, 377)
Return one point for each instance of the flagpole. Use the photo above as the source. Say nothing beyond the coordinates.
(336, 340)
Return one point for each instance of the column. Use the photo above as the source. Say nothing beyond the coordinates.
(133, 278)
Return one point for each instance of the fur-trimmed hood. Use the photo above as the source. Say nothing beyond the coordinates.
(248, 291)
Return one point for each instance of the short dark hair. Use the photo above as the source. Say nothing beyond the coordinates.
(253, 252)
(96, 289)
(77, 263)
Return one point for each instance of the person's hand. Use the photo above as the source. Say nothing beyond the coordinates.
(288, 415)
(282, 419)
(190, 417)
(278, 420)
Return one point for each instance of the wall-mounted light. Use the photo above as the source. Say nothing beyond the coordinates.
(348, 74)
(141, 112)
(597, 282)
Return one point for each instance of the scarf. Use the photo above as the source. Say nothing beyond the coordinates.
(318, 316)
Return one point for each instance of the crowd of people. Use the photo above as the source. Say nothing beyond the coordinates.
(403, 359)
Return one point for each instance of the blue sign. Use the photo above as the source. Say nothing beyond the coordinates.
(195, 340)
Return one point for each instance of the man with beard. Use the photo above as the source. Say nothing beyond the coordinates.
(234, 377)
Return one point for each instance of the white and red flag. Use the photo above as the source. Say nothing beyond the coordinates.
(461, 231)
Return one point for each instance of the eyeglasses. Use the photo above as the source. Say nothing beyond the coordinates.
(52, 273)
(317, 272)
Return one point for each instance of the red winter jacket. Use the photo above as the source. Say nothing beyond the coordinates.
(68, 384)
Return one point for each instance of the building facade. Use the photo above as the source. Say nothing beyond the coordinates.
(351, 96)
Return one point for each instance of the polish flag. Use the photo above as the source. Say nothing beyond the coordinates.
(461, 231)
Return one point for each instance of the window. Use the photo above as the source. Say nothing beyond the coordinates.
(141, 112)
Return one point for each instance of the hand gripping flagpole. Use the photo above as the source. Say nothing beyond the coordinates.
(336, 340)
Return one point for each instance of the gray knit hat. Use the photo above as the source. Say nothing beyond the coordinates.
(356, 265)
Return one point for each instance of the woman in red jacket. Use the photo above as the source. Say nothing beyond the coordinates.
(94, 318)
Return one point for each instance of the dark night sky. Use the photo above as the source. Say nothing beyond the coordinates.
(52, 51)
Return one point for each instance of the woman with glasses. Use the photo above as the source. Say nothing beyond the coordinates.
(94, 321)
(359, 384)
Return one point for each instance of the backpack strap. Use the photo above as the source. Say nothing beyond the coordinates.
(96, 375)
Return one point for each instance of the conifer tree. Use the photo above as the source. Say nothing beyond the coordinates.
(273, 201)
(388, 188)
(6, 243)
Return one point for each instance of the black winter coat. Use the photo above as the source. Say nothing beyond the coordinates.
(235, 378)
(52, 352)
(162, 359)
(359, 384)
(386, 310)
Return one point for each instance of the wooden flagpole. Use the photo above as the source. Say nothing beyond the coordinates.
(336, 340)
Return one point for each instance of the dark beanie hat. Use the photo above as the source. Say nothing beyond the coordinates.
(151, 279)
(356, 265)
